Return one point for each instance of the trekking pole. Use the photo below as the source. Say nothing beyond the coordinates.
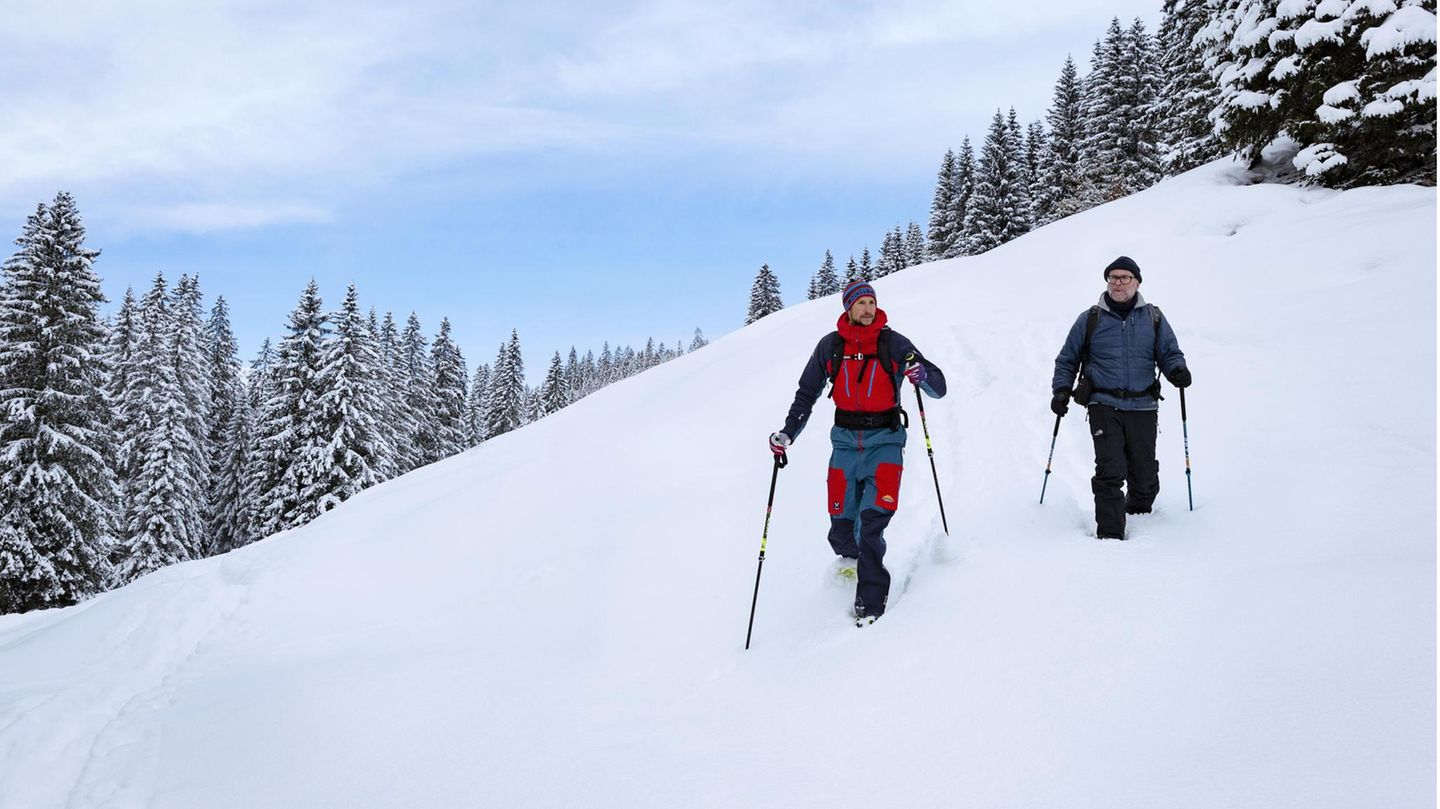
(780, 461)
(1053, 436)
(929, 450)
(1185, 429)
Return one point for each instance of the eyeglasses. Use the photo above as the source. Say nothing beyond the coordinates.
(1120, 279)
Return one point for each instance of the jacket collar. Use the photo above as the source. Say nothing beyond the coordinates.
(861, 334)
(1105, 305)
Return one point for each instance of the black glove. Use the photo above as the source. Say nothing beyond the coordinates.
(1180, 377)
(1060, 402)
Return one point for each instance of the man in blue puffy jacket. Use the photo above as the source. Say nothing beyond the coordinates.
(1116, 358)
(865, 362)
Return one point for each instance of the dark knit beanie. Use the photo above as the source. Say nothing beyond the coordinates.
(1124, 263)
(855, 291)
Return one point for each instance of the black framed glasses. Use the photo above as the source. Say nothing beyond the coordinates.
(1120, 279)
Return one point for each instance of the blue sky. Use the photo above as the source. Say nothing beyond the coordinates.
(577, 172)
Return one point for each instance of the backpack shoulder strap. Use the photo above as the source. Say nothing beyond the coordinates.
(837, 355)
(882, 350)
(1156, 317)
(1090, 323)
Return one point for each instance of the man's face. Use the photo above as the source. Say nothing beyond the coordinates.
(1122, 285)
(862, 311)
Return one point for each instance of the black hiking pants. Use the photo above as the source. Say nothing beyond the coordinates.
(1124, 455)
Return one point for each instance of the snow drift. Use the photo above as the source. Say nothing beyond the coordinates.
(556, 618)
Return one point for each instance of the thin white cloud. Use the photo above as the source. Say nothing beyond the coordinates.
(200, 218)
(216, 104)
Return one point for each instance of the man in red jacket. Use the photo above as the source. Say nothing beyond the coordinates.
(864, 360)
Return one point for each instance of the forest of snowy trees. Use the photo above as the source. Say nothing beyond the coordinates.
(132, 443)
(1345, 86)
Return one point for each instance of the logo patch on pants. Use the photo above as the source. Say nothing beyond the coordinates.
(887, 486)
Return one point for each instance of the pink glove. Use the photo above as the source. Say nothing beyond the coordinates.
(916, 373)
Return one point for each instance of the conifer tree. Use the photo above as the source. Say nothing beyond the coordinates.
(120, 349)
(764, 295)
(507, 403)
(852, 273)
(451, 377)
(867, 271)
(1062, 173)
(1353, 86)
(348, 453)
(57, 489)
(964, 190)
(997, 210)
(942, 204)
(914, 245)
(163, 498)
(1188, 92)
(698, 341)
(552, 392)
(397, 423)
(476, 413)
(1141, 75)
(1103, 152)
(418, 384)
(227, 468)
(824, 283)
(290, 447)
(193, 379)
(1015, 156)
(1035, 147)
(892, 253)
(259, 388)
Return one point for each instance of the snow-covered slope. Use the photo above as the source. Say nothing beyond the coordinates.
(556, 619)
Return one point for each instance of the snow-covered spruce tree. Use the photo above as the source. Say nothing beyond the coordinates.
(867, 270)
(291, 439)
(997, 212)
(764, 295)
(259, 387)
(165, 492)
(506, 402)
(233, 525)
(892, 254)
(942, 226)
(698, 341)
(193, 380)
(852, 273)
(476, 416)
(824, 283)
(573, 379)
(1102, 152)
(914, 245)
(1392, 137)
(1034, 151)
(1141, 73)
(1015, 153)
(226, 473)
(964, 190)
(552, 391)
(397, 422)
(57, 489)
(1188, 92)
(349, 410)
(1352, 84)
(418, 383)
(120, 346)
(605, 369)
(451, 377)
(1061, 172)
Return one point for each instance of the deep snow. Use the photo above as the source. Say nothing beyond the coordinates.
(556, 618)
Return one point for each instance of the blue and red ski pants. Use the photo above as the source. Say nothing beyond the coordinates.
(863, 492)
